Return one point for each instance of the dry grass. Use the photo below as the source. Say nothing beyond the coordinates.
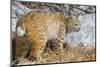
(71, 54)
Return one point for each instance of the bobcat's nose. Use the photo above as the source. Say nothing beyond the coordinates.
(78, 29)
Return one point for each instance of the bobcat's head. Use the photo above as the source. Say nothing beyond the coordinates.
(72, 24)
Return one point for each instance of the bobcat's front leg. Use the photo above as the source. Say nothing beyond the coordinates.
(59, 43)
(60, 39)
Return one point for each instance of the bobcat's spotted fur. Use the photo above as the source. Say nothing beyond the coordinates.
(39, 27)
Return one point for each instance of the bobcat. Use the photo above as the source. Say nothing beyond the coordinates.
(39, 27)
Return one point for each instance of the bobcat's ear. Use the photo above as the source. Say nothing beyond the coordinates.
(67, 18)
(78, 14)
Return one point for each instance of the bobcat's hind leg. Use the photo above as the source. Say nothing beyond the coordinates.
(37, 49)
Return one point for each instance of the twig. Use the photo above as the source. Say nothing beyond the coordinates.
(84, 10)
(14, 61)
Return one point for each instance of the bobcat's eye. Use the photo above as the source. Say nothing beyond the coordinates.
(76, 24)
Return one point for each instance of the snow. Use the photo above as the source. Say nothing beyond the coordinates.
(13, 23)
